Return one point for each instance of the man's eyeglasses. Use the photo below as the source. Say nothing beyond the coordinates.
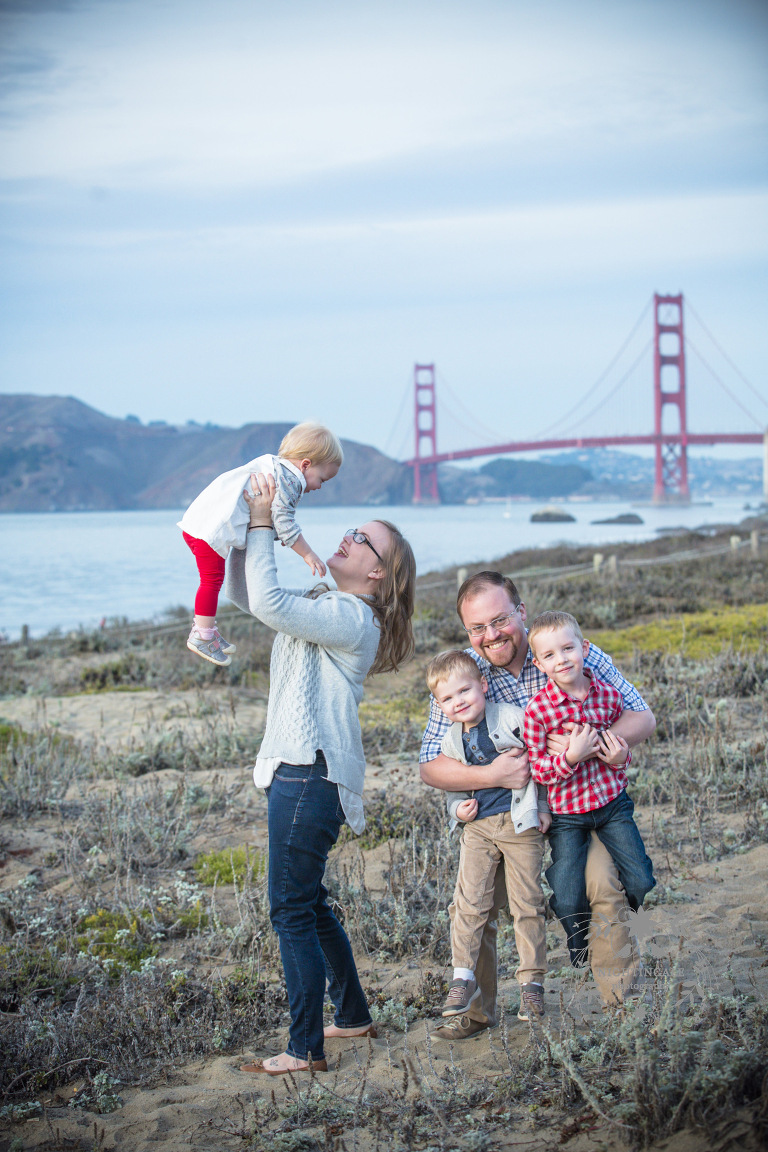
(500, 622)
(361, 538)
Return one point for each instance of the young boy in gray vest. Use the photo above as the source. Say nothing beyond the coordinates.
(496, 824)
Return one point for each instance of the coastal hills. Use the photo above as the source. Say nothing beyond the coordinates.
(58, 454)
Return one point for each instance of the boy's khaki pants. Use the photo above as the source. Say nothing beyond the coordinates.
(484, 845)
(612, 951)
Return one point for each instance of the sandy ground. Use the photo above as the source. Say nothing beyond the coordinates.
(118, 719)
(720, 913)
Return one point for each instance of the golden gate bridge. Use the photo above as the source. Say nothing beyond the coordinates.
(670, 444)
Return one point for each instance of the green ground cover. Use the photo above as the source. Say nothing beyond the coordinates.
(697, 635)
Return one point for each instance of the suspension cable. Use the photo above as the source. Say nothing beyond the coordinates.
(544, 435)
(618, 385)
(723, 385)
(723, 353)
(398, 418)
(479, 429)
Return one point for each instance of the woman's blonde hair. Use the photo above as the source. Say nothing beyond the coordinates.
(393, 603)
(313, 442)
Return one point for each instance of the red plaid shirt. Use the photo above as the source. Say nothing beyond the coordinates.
(590, 784)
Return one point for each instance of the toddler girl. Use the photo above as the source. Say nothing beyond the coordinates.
(218, 520)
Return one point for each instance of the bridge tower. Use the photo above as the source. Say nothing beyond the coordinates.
(425, 489)
(671, 472)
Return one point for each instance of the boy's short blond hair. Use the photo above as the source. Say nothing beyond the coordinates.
(315, 442)
(451, 663)
(548, 621)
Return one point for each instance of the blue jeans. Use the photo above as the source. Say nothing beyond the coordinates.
(304, 819)
(569, 840)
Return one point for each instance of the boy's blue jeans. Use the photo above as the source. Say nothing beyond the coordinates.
(304, 820)
(569, 841)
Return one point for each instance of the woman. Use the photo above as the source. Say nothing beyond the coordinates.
(311, 759)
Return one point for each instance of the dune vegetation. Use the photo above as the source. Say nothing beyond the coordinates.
(138, 965)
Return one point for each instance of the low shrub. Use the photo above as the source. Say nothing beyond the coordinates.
(230, 865)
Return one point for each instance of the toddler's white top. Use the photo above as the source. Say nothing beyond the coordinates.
(220, 515)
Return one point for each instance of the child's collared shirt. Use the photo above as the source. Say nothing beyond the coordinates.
(590, 784)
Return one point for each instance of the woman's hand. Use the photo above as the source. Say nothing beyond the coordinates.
(259, 500)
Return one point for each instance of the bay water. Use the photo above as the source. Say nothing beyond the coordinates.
(66, 570)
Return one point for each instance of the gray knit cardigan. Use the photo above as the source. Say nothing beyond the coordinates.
(323, 651)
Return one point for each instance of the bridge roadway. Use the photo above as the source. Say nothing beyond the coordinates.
(690, 439)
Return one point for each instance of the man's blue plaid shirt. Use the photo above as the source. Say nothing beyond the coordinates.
(504, 687)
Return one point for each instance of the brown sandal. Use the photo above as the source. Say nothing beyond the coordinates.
(351, 1034)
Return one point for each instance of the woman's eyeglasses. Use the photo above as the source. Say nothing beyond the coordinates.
(361, 538)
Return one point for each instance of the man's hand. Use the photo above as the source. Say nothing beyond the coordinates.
(467, 810)
(583, 744)
(545, 819)
(509, 770)
(557, 742)
(613, 750)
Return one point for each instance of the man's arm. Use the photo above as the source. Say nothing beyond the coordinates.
(634, 727)
(547, 768)
(636, 722)
(508, 770)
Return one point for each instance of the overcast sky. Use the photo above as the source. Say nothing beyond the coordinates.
(270, 209)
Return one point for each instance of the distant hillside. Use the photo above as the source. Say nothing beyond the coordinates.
(56, 453)
(630, 476)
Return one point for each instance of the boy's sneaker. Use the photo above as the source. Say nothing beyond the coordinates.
(210, 650)
(459, 1028)
(226, 646)
(460, 995)
(531, 1002)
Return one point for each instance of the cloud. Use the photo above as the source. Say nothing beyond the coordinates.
(445, 257)
(243, 101)
(301, 193)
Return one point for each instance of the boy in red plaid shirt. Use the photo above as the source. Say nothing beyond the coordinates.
(587, 783)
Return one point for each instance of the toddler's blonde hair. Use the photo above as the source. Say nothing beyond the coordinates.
(549, 621)
(315, 442)
(454, 662)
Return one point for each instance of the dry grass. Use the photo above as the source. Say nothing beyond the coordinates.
(118, 956)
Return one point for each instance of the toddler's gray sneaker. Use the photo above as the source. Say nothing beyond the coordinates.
(210, 650)
(227, 647)
(460, 995)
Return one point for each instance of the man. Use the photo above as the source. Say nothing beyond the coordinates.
(493, 615)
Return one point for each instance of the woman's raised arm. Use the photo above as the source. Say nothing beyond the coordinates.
(252, 584)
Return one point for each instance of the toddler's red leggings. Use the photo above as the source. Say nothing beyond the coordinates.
(211, 567)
